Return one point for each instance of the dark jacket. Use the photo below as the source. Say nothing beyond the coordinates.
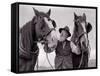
(63, 59)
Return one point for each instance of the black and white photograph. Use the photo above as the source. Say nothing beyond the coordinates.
(54, 38)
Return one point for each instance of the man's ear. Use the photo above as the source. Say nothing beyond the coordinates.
(49, 12)
(88, 27)
(36, 12)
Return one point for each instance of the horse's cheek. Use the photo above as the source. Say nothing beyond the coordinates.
(38, 32)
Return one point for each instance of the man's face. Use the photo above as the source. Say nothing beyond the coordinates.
(63, 35)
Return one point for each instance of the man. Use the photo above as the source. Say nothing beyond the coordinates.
(63, 49)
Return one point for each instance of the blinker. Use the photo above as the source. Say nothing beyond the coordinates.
(54, 23)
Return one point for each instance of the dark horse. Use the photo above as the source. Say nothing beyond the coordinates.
(32, 32)
(80, 38)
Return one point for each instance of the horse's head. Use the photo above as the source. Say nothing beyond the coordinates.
(43, 25)
(81, 29)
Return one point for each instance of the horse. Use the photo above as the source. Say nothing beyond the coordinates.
(80, 38)
(36, 30)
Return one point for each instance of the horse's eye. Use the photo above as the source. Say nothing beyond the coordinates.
(40, 17)
(49, 19)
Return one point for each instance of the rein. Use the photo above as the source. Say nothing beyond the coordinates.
(43, 41)
(77, 42)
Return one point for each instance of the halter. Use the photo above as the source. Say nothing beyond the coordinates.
(77, 42)
(43, 38)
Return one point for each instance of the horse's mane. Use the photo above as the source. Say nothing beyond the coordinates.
(33, 23)
(75, 33)
(29, 28)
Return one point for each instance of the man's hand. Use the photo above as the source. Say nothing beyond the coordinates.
(75, 48)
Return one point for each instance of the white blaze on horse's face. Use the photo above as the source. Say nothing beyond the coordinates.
(85, 36)
(49, 22)
(51, 38)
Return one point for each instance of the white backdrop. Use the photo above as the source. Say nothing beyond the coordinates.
(5, 38)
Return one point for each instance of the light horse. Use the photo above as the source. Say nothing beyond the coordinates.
(32, 32)
(80, 38)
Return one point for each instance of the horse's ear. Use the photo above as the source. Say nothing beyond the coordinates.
(49, 12)
(89, 28)
(36, 12)
(84, 16)
(75, 16)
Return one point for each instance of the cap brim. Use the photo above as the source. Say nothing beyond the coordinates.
(69, 34)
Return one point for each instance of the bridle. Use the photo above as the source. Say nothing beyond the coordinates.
(44, 41)
(43, 38)
(78, 42)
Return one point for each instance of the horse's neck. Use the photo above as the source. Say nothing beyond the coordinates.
(33, 23)
(74, 36)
